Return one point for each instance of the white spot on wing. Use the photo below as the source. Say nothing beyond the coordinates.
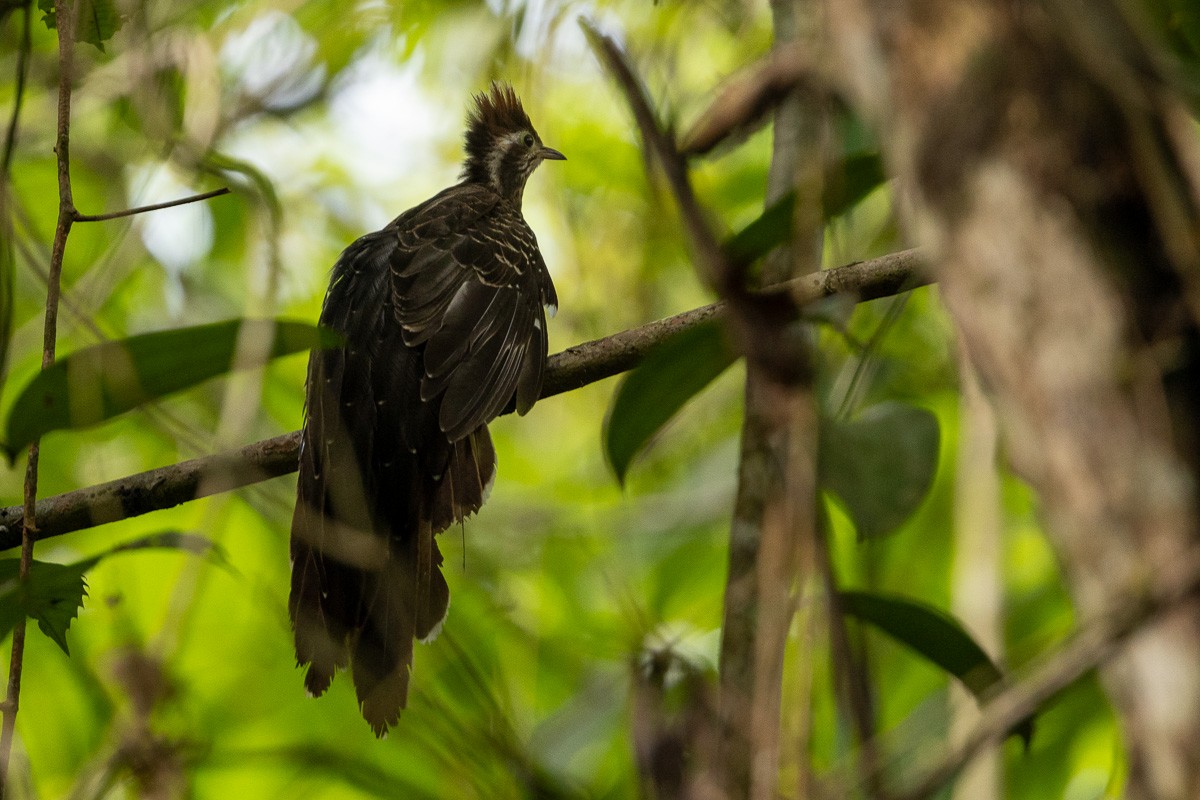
(551, 309)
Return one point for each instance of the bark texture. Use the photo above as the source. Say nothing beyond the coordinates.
(1041, 160)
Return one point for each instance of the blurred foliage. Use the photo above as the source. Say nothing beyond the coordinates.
(936, 636)
(327, 119)
(53, 593)
(99, 382)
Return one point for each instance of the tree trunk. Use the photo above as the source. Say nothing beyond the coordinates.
(1044, 166)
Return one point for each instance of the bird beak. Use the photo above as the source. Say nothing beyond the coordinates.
(550, 154)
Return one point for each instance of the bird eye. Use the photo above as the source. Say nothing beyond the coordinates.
(528, 140)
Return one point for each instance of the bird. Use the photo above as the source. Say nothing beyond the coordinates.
(442, 316)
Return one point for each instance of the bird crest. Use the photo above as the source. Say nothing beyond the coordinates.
(493, 123)
(497, 112)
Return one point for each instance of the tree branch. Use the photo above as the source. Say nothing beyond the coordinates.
(571, 369)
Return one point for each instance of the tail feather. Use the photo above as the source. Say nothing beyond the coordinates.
(467, 480)
(398, 607)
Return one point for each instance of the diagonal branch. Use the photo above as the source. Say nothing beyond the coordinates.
(571, 369)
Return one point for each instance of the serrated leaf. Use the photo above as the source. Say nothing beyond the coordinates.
(53, 593)
(52, 597)
(881, 464)
(937, 637)
(98, 383)
(652, 393)
(96, 21)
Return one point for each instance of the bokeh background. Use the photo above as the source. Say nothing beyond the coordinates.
(328, 119)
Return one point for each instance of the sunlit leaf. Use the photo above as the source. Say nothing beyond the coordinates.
(53, 593)
(881, 464)
(651, 394)
(97, 383)
(935, 636)
(95, 23)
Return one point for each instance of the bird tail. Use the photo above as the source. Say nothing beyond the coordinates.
(363, 589)
(406, 598)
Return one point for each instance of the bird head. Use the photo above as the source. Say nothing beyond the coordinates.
(503, 149)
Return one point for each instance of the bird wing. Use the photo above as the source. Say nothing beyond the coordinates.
(472, 292)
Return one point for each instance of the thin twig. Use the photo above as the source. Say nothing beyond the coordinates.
(129, 212)
(571, 369)
(65, 13)
(715, 267)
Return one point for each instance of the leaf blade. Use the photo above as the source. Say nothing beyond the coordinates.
(53, 594)
(935, 636)
(650, 395)
(97, 383)
(881, 464)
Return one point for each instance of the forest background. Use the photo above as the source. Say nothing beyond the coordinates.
(590, 595)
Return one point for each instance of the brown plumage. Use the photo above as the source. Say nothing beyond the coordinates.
(443, 313)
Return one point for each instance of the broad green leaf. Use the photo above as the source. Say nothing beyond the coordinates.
(649, 396)
(881, 464)
(771, 229)
(97, 383)
(848, 182)
(53, 593)
(95, 24)
(935, 636)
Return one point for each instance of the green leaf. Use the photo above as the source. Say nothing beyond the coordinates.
(649, 396)
(53, 593)
(771, 229)
(935, 636)
(97, 383)
(848, 182)
(95, 24)
(881, 464)
(52, 596)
